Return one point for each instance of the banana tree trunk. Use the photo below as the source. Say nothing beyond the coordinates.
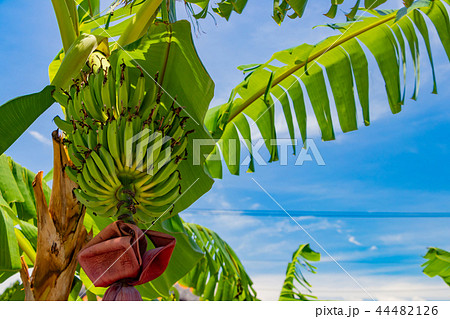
(61, 233)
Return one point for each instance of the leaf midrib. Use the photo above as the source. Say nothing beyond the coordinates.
(297, 67)
(166, 58)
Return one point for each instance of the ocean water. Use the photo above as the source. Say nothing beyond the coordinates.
(364, 256)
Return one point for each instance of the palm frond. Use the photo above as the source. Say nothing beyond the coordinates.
(300, 258)
(438, 264)
(223, 8)
(219, 275)
(281, 8)
(339, 60)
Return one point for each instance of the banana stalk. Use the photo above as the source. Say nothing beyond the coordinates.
(65, 23)
(139, 23)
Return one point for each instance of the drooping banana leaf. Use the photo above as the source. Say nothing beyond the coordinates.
(300, 259)
(18, 114)
(438, 264)
(388, 35)
(219, 275)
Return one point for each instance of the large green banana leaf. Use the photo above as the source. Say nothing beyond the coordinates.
(18, 114)
(219, 275)
(169, 51)
(18, 233)
(300, 258)
(388, 35)
(438, 264)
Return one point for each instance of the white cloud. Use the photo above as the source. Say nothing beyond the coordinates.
(217, 200)
(338, 286)
(41, 138)
(320, 224)
(353, 240)
(392, 239)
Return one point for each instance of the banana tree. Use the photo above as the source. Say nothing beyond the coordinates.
(132, 111)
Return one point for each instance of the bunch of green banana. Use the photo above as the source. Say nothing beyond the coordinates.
(125, 145)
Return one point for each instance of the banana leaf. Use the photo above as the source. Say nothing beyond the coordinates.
(437, 264)
(219, 275)
(300, 260)
(339, 61)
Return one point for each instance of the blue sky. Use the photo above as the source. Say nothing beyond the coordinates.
(398, 164)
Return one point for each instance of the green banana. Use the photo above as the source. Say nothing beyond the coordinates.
(76, 107)
(93, 170)
(167, 198)
(165, 186)
(99, 163)
(79, 142)
(74, 157)
(153, 211)
(106, 210)
(91, 191)
(71, 173)
(91, 103)
(149, 100)
(122, 92)
(65, 126)
(178, 133)
(69, 109)
(92, 139)
(142, 147)
(111, 81)
(91, 201)
(106, 96)
(138, 95)
(128, 143)
(98, 82)
(161, 175)
(180, 147)
(91, 181)
(103, 136)
(113, 144)
(108, 160)
(122, 121)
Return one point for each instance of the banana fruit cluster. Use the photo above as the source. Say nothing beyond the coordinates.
(125, 145)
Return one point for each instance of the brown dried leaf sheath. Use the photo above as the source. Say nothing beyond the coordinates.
(61, 233)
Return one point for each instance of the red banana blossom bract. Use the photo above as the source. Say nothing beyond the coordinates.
(118, 257)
